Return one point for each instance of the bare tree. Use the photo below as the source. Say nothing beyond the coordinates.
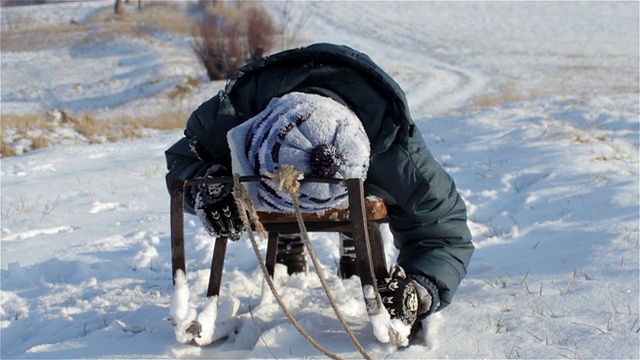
(117, 9)
(207, 4)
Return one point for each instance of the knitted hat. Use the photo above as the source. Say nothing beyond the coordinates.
(316, 135)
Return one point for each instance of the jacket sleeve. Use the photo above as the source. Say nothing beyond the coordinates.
(427, 217)
(187, 159)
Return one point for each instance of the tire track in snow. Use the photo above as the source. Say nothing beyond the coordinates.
(432, 85)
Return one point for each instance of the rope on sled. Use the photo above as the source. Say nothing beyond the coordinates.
(287, 180)
(241, 197)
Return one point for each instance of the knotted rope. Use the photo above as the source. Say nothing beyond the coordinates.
(242, 197)
(287, 179)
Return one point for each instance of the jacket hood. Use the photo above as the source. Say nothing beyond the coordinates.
(336, 71)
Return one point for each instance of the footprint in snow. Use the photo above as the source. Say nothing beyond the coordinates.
(101, 207)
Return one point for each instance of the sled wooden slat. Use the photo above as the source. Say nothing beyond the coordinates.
(217, 266)
(362, 219)
(177, 228)
(375, 210)
(360, 233)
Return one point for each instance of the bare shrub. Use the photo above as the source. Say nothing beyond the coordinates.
(40, 142)
(227, 38)
(6, 150)
(217, 46)
(260, 32)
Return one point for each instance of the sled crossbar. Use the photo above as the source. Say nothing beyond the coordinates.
(362, 218)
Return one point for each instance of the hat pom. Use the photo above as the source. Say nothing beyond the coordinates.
(325, 160)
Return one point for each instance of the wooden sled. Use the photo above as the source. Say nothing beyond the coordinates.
(362, 219)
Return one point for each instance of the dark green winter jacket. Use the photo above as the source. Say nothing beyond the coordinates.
(427, 217)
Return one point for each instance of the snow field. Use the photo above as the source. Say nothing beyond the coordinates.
(550, 179)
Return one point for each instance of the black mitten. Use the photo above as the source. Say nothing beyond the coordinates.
(216, 207)
(399, 296)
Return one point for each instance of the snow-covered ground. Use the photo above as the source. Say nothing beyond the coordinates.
(532, 107)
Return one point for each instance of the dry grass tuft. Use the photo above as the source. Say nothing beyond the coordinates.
(180, 91)
(35, 131)
(6, 149)
(508, 93)
(40, 142)
(23, 36)
(154, 16)
(19, 34)
(164, 121)
(25, 122)
(86, 125)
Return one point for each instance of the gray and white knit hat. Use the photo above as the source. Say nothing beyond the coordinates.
(316, 135)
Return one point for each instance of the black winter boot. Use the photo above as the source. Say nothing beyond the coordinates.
(348, 266)
(291, 253)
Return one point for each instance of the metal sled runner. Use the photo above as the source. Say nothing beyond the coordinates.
(362, 218)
